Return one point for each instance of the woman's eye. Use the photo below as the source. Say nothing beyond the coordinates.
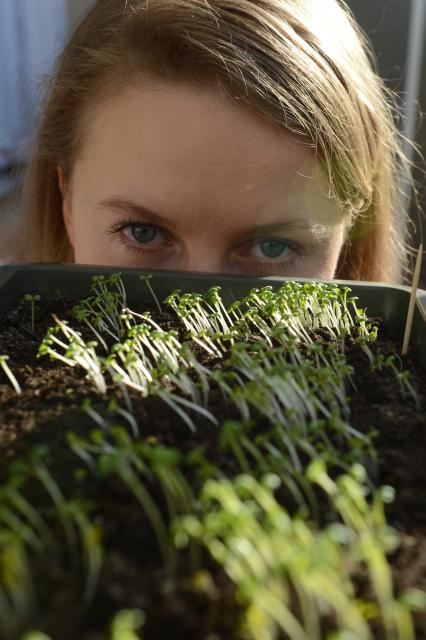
(142, 237)
(273, 248)
(142, 233)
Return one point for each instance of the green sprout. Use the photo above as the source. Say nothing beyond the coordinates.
(17, 592)
(32, 299)
(163, 462)
(8, 372)
(90, 536)
(124, 626)
(80, 448)
(83, 314)
(87, 407)
(126, 623)
(41, 472)
(12, 500)
(403, 377)
(121, 458)
(173, 401)
(75, 351)
(114, 408)
(109, 303)
(146, 279)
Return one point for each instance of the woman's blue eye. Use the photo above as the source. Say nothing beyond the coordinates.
(273, 247)
(143, 233)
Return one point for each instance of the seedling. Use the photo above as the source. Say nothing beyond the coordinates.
(146, 279)
(77, 351)
(90, 536)
(12, 500)
(87, 407)
(380, 360)
(121, 457)
(32, 299)
(40, 471)
(114, 408)
(126, 623)
(8, 372)
(17, 592)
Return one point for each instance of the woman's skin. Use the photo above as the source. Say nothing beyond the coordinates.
(172, 177)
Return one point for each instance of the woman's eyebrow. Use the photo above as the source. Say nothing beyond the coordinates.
(315, 228)
(128, 206)
(318, 230)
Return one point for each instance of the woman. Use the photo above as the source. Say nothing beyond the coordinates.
(238, 136)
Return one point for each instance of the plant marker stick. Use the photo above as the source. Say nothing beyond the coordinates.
(415, 285)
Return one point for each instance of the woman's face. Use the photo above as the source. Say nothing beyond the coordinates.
(184, 179)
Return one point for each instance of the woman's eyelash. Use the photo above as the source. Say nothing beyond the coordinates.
(122, 224)
(291, 244)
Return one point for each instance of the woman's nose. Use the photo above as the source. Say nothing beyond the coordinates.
(202, 258)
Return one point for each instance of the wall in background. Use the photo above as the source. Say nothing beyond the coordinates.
(76, 8)
(386, 23)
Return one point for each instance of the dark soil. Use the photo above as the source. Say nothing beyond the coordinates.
(50, 406)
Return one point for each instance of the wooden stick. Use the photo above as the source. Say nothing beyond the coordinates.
(414, 286)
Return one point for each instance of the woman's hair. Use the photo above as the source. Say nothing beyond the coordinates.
(303, 64)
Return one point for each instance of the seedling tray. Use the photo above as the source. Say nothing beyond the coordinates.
(389, 302)
(52, 428)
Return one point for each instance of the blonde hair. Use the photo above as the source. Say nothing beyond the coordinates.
(303, 64)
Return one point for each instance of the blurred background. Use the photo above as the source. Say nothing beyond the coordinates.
(33, 32)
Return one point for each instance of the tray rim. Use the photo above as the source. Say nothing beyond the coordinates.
(10, 269)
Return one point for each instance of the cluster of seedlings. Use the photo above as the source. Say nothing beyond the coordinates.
(277, 359)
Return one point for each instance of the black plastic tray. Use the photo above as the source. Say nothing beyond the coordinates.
(389, 302)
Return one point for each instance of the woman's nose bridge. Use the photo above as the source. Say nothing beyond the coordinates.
(203, 262)
(204, 254)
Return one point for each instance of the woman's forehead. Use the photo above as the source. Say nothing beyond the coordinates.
(196, 148)
(176, 125)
